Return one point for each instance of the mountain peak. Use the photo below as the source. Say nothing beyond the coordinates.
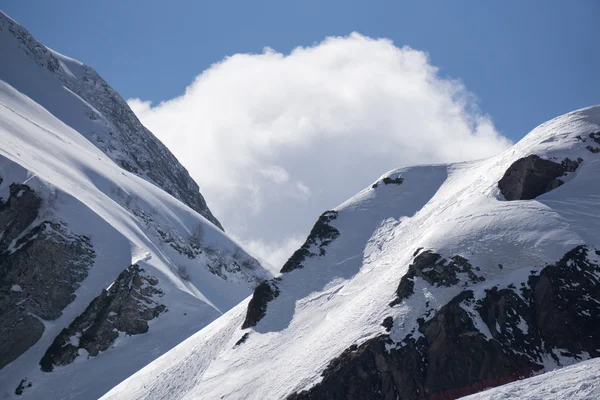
(107, 121)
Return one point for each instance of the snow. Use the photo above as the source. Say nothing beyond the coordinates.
(577, 382)
(522, 325)
(46, 142)
(16, 288)
(341, 298)
(50, 138)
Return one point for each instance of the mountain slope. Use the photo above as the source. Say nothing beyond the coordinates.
(435, 282)
(109, 256)
(80, 98)
(580, 381)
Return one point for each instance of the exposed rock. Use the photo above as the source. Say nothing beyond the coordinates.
(388, 180)
(532, 176)
(22, 385)
(257, 307)
(126, 306)
(225, 264)
(396, 181)
(40, 269)
(244, 337)
(595, 137)
(321, 235)
(450, 359)
(128, 143)
(17, 213)
(556, 313)
(436, 271)
(370, 371)
(566, 296)
(594, 150)
(388, 323)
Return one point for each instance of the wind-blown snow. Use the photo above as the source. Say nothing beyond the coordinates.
(121, 213)
(341, 299)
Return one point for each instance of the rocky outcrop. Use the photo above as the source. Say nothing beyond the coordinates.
(40, 269)
(449, 358)
(17, 213)
(594, 137)
(436, 271)
(127, 306)
(128, 142)
(555, 314)
(321, 235)
(532, 176)
(257, 307)
(390, 180)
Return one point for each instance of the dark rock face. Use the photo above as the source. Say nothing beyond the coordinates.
(321, 235)
(365, 372)
(396, 181)
(17, 213)
(567, 300)
(22, 385)
(556, 313)
(244, 337)
(126, 306)
(594, 137)
(532, 176)
(389, 181)
(436, 271)
(40, 269)
(129, 144)
(451, 359)
(257, 308)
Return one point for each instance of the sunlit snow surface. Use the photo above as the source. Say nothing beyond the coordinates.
(341, 298)
(119, 211)
(576, 382)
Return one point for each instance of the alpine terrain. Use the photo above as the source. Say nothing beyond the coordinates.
(109, 255)
(435, 282)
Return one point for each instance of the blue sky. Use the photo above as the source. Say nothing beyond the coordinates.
(526, 61)
(275, 138)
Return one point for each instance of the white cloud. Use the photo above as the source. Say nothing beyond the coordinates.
(273, 140)
(275, 253)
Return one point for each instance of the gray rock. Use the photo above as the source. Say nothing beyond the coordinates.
(557, 311)
(436, 271)
(532, 176)
(17, 213)
(594, 137)
(40, 269)
(127, 306)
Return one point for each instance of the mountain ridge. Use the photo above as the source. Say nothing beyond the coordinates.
(103, 266)
(424, 257)
(115, 127)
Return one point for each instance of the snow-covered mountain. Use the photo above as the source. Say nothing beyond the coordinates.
(109, 255)
(433, 283)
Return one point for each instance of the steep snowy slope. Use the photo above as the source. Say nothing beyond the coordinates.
(435, 282)
(577, 382)
(74, 93)
(101, 270)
